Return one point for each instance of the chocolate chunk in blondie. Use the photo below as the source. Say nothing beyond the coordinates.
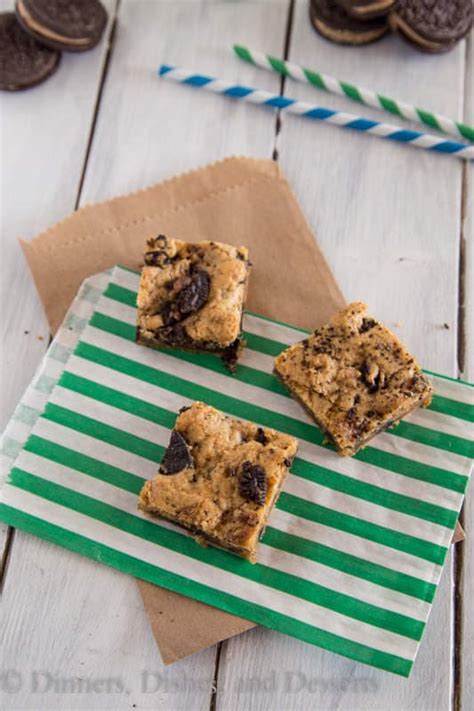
(354, 377)
(219, 478)
(192, 296)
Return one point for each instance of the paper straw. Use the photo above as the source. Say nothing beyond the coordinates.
(356, 93)
(302, 108)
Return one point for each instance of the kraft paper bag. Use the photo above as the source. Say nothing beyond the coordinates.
(239, 201)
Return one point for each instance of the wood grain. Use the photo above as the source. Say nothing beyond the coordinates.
(76, 632)
(44, 132)
(149, 129)
(465, 692)
(387, 218)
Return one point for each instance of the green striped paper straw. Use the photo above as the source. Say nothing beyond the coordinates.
(356, 93)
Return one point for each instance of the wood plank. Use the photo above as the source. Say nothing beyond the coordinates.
(45, 132)
(465, 693)
(387, 218)
(76, 633)
(44, 136)
(92, 623)
(468, 365)
(149, 129)
(380, 208)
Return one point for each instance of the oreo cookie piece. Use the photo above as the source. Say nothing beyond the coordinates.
(24, 62)
(195, 294)
(177, 456)
(70, 25)
(366, 9)
(334, 23)
(253, 483)
(432, 25)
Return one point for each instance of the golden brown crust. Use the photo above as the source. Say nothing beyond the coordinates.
(207, 497)
(354, 377)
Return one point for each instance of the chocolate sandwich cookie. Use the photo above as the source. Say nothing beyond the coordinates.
(70, 25)
(432, 25)
(333, 22)
(366, 9)
(23, 61)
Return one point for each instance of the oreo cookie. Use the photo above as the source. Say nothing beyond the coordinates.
(366, 9)
(334, 23)
(24, 62)
(432, 25)
(70, 25)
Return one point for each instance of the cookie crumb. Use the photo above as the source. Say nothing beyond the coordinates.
(40, 338)
(446, 326)
(26, 332)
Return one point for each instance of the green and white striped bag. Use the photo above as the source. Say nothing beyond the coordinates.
(355, 547)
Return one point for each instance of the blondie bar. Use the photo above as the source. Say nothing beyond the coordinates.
(219, 478)
(192, 296)
(354, 377)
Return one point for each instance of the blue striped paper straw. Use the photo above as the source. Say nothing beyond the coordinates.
(320, 113)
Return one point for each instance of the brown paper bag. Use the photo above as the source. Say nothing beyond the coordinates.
(240, 201)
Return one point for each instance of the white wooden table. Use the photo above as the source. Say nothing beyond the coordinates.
(396, 225)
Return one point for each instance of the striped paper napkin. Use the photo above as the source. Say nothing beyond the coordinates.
(355, 547)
